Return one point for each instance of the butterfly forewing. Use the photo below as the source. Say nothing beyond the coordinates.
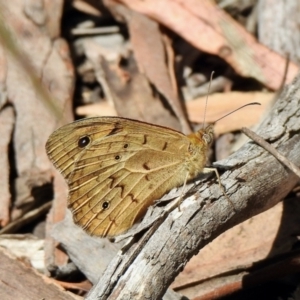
(125, 166)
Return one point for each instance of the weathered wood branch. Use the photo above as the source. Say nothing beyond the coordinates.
(254, 181)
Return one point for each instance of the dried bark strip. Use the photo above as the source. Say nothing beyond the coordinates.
(37, 62)
(151, 60)
(6, 128)
(18, 281)
(210, 29)
(255, 181)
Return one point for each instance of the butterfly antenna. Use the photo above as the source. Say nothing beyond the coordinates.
(252, 103)
(211, 77)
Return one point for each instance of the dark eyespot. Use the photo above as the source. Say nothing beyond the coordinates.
(84, 141)
(126, 146)
(117, 157)
(105, 205)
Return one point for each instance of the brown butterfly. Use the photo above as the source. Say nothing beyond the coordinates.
(116, 167)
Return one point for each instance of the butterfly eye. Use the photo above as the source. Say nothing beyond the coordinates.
(83, 141)
(105, 205)
(207, 138)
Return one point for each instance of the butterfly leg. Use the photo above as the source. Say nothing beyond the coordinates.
(179, 201)
(208, 170)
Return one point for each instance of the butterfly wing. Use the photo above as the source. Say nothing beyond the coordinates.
(116, 168)
(63, 147)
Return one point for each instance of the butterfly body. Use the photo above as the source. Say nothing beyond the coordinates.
(116, 168)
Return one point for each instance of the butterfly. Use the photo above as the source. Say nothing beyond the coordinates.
(117, 167)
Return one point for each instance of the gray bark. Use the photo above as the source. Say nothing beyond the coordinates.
(277, 26)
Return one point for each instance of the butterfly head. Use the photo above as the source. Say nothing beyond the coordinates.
(203, 137)
(208, 134)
